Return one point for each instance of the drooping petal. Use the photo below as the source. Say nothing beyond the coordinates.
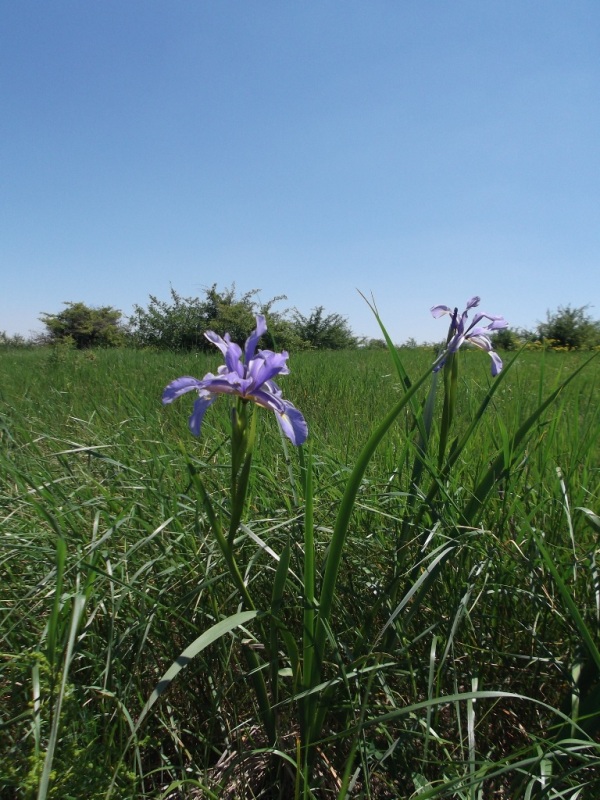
(252, 340)
(293, 424)
(180, 386)
(479, 337)
(496, 362)
(473, 302)
(200, 407)
(267, 399)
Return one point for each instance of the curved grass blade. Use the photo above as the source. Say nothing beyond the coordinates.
(197, 646)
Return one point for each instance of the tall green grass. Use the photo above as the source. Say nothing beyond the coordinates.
(456, 653)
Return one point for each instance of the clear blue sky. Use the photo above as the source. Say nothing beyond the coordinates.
(425, 151)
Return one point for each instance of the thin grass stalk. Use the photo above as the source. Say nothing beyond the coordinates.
(78, 606)
(498, 468)
(242, 448)
(222, 540)
(309, 588)
(430, 683)
(276, 603)
(471, 737)
(567, 597)
(52, 628)
(342, 522)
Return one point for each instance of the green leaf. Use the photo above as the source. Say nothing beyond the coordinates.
(197, 646)
(592, 519)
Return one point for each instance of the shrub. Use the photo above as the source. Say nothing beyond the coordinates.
(85, 326)
(181, 323)
(570, 328)
(324, 332)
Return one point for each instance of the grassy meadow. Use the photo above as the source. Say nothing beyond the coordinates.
(460, 655)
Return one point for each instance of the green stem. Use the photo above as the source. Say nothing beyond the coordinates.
(450, 389)
(242, 441)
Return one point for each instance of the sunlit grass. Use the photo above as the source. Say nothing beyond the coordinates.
(110, 572)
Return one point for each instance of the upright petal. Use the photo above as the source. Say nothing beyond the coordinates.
(217, 340)
(455, 343)
(231, 351)
(262, 369)
(252, 340)
(476, 319)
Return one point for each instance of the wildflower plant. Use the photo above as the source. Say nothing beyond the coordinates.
(461, 332)
(247, 377)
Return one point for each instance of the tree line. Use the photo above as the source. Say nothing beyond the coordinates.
(567, 328)
(179, 323)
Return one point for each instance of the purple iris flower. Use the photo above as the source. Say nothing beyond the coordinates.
(248, 375)
(476, 334)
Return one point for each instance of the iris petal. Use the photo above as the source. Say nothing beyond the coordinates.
(439, 311)
(293, 424)
(197, 415)
(178, 387)
(252, 340)
(262, 370)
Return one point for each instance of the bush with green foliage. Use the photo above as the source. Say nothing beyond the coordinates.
(15, 341)
(84, 326)
(175, 325)
(180, 324)
(324, 332)
(570, 328)
(373, 344)
(507, 339)
(567, 328)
